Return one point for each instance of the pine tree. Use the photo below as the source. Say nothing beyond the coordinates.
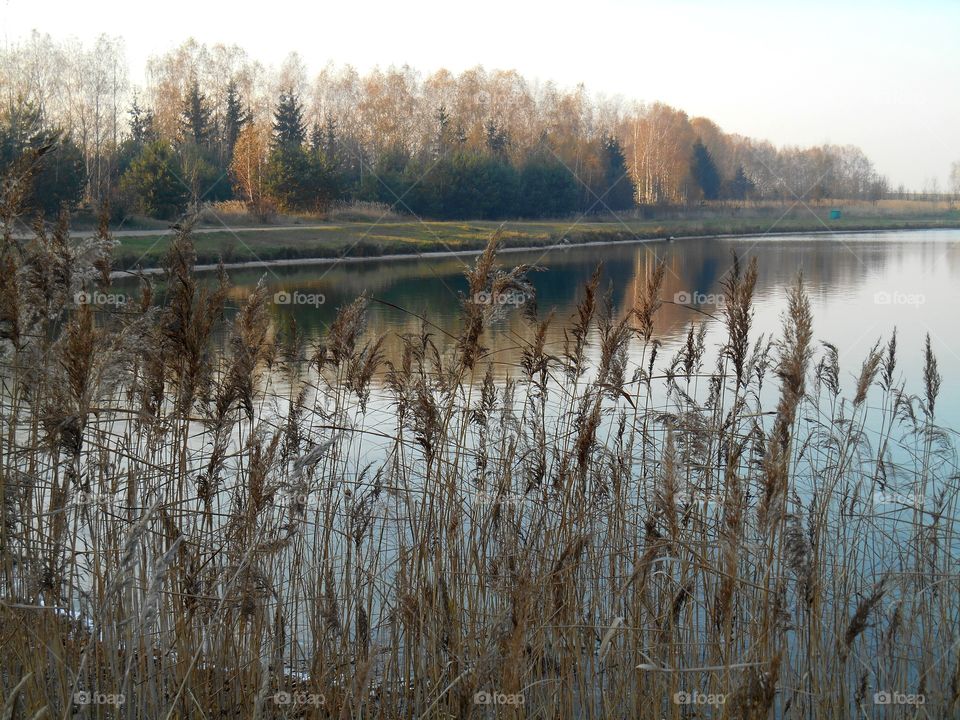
(497, 138)
(289, 130)
(330, 142)
(741, 186)
(234, 119)
(704, 171)
(154, 180)
(21, 127)
(54, 178)
(441, 143)
(316, 138)
(141, 124)
(618, 191)
(195, 119)
(547, 188)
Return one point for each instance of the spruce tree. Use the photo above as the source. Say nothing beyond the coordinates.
(289, 130)
(195, 119)
(617, 192)
(141, 124)
(234, 119)
(316, 138)
(154, 180)
(330, 142)
(497, 138)
(741, 186)
(704, 171)
(441, 143)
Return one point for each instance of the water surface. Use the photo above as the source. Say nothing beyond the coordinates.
(861, 287)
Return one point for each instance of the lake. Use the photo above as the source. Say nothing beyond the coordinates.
(861, 287)
(480, 497)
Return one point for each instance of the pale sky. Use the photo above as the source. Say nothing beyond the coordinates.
(881, 75)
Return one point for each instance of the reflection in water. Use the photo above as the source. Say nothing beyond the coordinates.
(861, 287)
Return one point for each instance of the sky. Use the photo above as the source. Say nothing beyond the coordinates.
(881, 75)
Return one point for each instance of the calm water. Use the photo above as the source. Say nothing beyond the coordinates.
(861, 286)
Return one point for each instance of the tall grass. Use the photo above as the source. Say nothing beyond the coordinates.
(200, 527)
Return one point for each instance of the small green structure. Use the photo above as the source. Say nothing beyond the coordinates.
(835, 214)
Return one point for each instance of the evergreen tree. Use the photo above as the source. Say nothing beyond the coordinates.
(153, 179)
(485, 186)
(288, 177)
(741, 186)
(292, 176)
(205, 176)
(326, 178)
(316, 138)
(441, 143)
(234, 119)
(21, 127)
(56, 177)
(142, 133)
(497, 138)
(60, 177)
(289, 130)
(617, 192)
(195, 124)
(297, 179)
(547, 189)
(704, 171)
(330, 142)
(141, 124)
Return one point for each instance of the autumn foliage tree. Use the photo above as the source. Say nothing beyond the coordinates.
(248, 170)
(479, 143)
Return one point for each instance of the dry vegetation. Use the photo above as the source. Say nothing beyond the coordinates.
(200, 526)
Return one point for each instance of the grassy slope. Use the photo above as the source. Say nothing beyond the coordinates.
(366, 239)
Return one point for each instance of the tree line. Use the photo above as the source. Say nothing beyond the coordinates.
(212, 124)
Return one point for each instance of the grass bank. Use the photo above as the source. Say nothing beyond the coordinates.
(364, 239)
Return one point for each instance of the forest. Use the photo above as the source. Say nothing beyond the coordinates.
(211, 124)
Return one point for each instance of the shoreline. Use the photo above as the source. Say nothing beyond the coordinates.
(287, 262)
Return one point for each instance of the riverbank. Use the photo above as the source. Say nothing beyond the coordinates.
(300, 262)
(358, 241)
